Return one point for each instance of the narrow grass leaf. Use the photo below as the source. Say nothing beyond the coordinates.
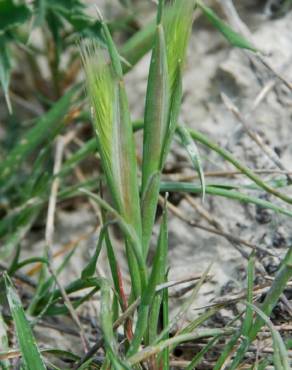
(114, 55)
(177, 33)
(199, 356)
(240, 352)
(115, 271)
(107, 328)
(4, 344)
(233, 37)
(160, 10)
(219, 191)
(26, 262)
(199, 320)
(45, 283)
(148, 208)
(54, 310)
(156, 109)
(165, 319)
(31, 354)
(75, 286)
(241, 167)
(5, 69)
(130, 234)
(227, 350)
(281, 358)
(175, 104)
(142, 41)
(137, 46)
(194, 155)
(185, 306)
(281, 279)
(247, 323)
(90, 269)
(156, 277)
(155, 127)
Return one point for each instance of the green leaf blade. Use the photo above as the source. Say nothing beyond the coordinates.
(234, 38)
(31, 354)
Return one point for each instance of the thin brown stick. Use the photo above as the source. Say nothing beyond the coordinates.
(49, 236)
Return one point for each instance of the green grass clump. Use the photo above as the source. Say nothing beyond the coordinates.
(136, 329)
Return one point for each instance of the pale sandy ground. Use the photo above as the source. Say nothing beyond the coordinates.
(212, 68)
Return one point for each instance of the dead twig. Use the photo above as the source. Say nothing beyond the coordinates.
(49, 236)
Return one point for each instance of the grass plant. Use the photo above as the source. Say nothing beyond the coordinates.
(136, 329)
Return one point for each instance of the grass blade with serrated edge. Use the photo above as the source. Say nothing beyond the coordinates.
(194, 155)
(31, 354)
(233, 37)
